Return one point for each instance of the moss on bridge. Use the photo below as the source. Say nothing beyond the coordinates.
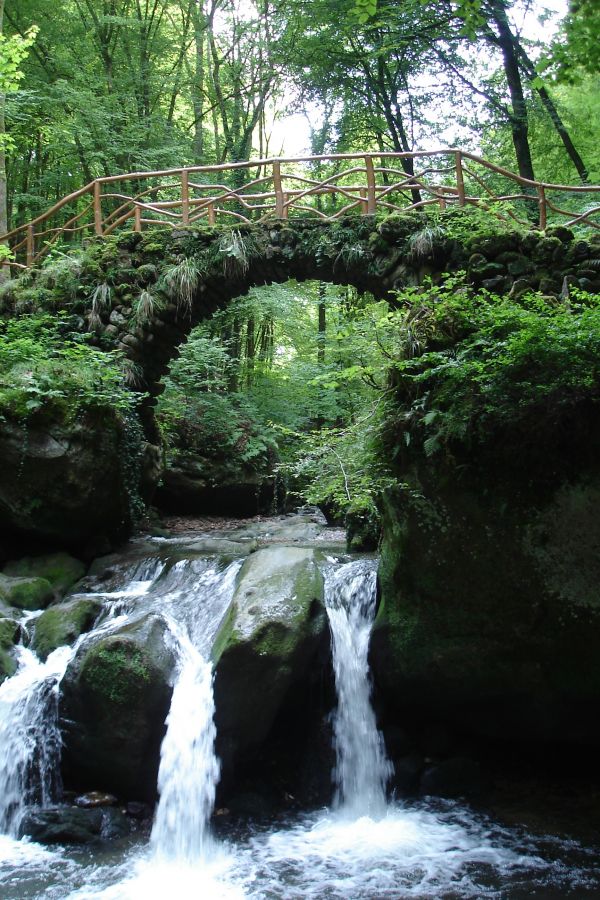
(143, 293)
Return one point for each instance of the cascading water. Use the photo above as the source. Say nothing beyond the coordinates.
(362, 769)
(365, 848)
(189, 769)
(29, 735)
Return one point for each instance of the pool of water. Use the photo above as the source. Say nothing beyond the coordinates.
(438, 849)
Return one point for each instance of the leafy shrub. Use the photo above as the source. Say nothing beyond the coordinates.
(46, 370)
(486, 364)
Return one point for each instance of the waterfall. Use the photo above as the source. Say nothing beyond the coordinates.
(362, 769)
(29, 735)
(189, 769)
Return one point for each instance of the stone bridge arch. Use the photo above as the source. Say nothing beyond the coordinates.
(193, 274)
(166, 282)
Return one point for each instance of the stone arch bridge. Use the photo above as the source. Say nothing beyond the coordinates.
(148, 291)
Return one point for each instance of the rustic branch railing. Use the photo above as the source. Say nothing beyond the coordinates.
(327, 187)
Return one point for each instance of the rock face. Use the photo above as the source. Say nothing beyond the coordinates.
(26, 593)
(114, 701)
(275, 628)
(10, 634)
(183, 491)
(490, 615)
(60, 569)
(62, 484)
(70, 825)
(62, 624)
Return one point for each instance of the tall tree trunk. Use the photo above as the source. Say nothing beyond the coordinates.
(250, 350)
(554, 115)
(519, 122)
(322, 323)
(199, 21)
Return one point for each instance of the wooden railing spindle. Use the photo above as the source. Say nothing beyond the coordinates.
(279, 201)
(364, 208)
(185, 197)
(543, 209)
(371, 196)
(30, 249)
(98, 208)
(460, 178)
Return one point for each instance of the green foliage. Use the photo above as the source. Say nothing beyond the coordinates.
(486, 365)
(146, 307)
(47, 370)
(181, 280)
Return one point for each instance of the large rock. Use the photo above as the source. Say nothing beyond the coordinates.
(269, 640)
(60, 569)
(10, 634)
(114, 701)
(63, 624)
(63, 484)
(490, 614)
(26, 593)
(185, 492)
(70, 825)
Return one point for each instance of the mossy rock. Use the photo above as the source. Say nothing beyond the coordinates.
(26, 593)
(114, 701)
(490, 613)
(62, 624)
(271, 636)
(396, 228)
(10, 634)
(60, 569)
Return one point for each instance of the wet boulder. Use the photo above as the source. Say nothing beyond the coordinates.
(26, 593)
(114, 701)
(63, 624)
(63, 483)
(71, 825)
(60, 569)
(10, 634)
(268, 643)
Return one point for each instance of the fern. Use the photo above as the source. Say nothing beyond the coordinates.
(181, 282)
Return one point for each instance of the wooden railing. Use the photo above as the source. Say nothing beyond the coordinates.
(327, 187)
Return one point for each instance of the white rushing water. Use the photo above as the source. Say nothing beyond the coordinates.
(189, 769)
(362, 769)
(364, 848)
(29, 735)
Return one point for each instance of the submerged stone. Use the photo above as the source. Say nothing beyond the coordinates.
(71, 825)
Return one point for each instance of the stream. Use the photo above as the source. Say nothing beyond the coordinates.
(366, 844)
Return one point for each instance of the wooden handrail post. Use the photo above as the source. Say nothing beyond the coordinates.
(460, 178)
(286, 208)
(371, 196)
(137, 218)
(185, 197)
(30, 251)
(363, 202)
(542, 205)
(278, 190)
(211, 214)
(98, 208)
